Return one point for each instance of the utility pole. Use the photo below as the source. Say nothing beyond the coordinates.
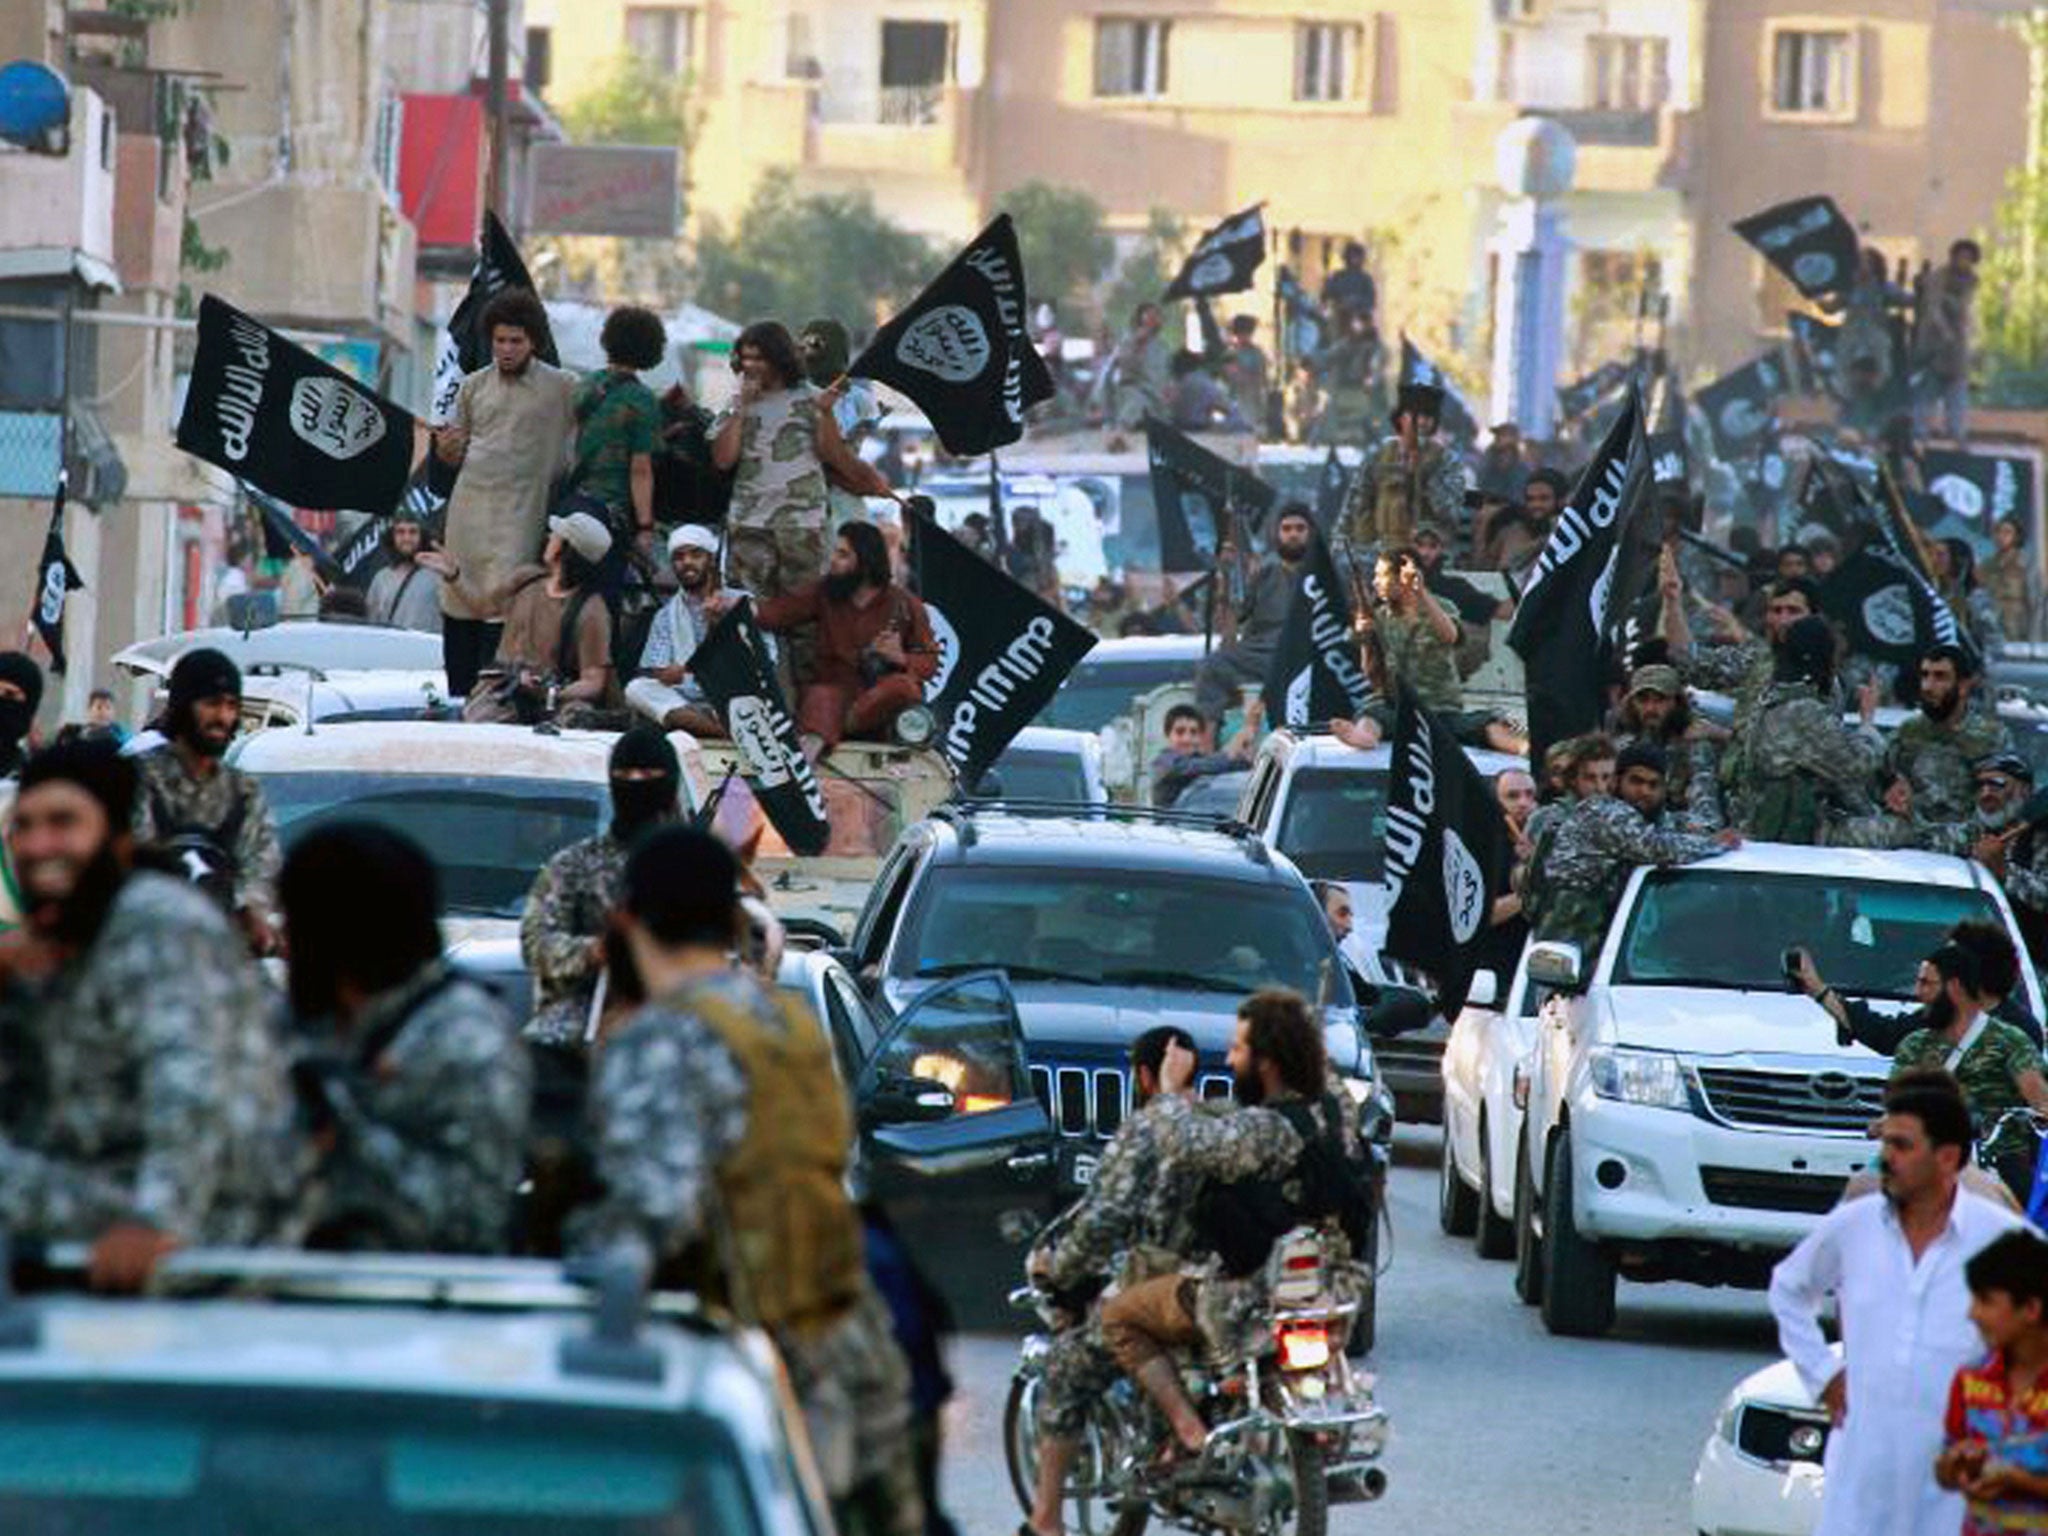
(499, 104)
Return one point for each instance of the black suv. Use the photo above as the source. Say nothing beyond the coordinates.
(1106, 922)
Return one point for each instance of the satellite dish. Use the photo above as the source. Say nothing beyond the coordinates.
(35, 107)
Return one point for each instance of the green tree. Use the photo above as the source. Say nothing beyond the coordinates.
(1144, 274)
(795, 257)
(631, 102)
(1060, 235)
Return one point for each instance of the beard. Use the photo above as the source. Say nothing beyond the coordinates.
(76, 917)
(1251, 1088)
(703, 580)
(1942, 711)
(840, 589)
(1941, 1013)
(208, 745)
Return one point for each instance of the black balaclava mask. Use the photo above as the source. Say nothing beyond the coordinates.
(17, 715)
(638, 803)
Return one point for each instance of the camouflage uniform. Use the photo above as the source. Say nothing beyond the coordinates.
(1937, 760)
(670, 1102)
(566, 909)
(1418, 658)
(776, 528)
(1140, 1206)
(1692, 779)
(1382, 511)
(1802, 769)
(146, 1081)
(431, 1120)
(165, 784)
(1590, 856)
(1251, 1144)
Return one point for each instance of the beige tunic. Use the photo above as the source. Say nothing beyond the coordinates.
(520, 433)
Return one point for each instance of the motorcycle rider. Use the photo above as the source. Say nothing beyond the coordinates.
(1139, 1205)
(1289, 1119)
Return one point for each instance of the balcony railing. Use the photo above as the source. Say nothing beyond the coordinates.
(1608, 127)
(889, 106)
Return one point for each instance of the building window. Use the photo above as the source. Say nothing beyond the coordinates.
(385, 147)
(917, 65)
(1627, 74)
(1130, 56)
(658, 36)
(1519, 10)
(1813, 73)
(540, 59)
(1326, 60)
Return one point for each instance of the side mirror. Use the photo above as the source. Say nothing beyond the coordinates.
(1554, 963)
(1484, 992)
(896, 1099)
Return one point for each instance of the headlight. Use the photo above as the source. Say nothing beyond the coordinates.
(1650, 1078)
(1729, 1416)
(1360, 1089)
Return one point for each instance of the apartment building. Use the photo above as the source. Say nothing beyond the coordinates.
(1909, 112)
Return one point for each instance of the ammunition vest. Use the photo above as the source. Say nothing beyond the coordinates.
(785, 1242)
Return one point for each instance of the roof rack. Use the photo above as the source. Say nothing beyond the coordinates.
(611, 1290)
(962, 813)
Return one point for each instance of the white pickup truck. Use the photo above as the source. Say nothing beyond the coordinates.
(1689, 1117)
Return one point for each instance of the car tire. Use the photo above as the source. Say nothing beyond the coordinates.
(1492, 1237)
(1528, 1247)
(1457, 1209)
(1578, 1279)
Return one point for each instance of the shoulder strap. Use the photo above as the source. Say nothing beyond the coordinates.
(1963, 1046)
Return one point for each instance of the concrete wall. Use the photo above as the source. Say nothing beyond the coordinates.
(64, 201)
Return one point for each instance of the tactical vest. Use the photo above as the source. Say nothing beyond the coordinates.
(784, 1247)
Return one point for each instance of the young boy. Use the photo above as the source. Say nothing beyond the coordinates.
(1997, 1452)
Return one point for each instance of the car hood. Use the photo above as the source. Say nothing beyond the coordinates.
(1707, 1022)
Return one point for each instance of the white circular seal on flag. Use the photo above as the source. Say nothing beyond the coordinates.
(338, 419)
(1963, 497)
(1464, 888)
(1740, 419)
(950, 343)
(1814, 269)
(948, 641)
(752, 725)
(1771, 470)
(1888, 615)
(1211, 271)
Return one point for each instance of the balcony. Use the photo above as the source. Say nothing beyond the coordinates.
(1628, 150)
(57, 211)
(918, 130)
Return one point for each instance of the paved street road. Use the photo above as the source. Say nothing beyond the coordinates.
(1496, 1425)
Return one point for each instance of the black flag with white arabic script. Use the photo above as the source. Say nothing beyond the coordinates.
(1979, 487)
(276, 416)
(464, 347)
(1572, 602)
(961, 350)
(1448, 855)
(1003, 651)
(1223, 260)
(1809, 241)
(1192, 487)
(1741, 407)
(56, 579)
(733, 666)
(1314, 676)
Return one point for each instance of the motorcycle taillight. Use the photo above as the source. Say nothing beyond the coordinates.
(1304, 1346)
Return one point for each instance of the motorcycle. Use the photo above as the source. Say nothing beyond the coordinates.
(1295, 1427)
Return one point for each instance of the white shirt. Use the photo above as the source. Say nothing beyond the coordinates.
(1905, 1331)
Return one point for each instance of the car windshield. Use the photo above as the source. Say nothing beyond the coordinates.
(1030, 775)
(186, 1462)
(1112, 927)
(1730, 929)
(1215, 794)
(1335, 824)
(1091, 697)
(489, 836)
